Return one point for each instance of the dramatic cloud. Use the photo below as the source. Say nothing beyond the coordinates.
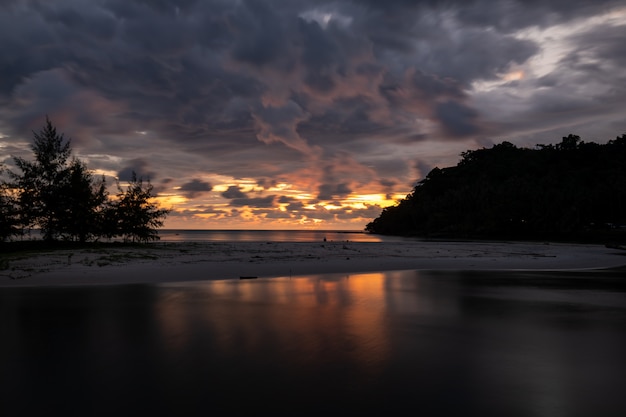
(260, 202)
(233, 192)
(320, 112)
(195, 188)
(138, 168)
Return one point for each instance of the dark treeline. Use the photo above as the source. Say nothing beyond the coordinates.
(58, 195)
(569, 191)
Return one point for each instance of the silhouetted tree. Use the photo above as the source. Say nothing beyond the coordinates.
(61, 197)
(41, 182)
(55, 193)
(9, 218)
(133, 215)
(84, 203)
(571, 190)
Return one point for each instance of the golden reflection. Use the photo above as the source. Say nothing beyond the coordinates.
(337, 315)
(172, 317)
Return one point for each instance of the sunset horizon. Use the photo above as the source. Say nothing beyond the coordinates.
(278, 115)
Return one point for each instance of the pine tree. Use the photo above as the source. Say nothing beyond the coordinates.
(84, 203)
(39, 184)
(134, 215)
(9, 221)
(55, 193)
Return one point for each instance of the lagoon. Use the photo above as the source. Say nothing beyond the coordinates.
(425, 342)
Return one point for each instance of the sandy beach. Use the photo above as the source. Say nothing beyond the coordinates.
(173, 262)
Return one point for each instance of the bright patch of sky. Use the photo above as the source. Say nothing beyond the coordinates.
(555, 43)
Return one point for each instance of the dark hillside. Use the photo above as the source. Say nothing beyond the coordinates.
(571, 191)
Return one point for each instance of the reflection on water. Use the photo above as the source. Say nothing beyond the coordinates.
(441, 343)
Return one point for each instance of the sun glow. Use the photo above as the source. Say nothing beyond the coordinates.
(171, 200)
(513, 75)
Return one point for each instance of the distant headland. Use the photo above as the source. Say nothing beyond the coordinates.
(572, 191)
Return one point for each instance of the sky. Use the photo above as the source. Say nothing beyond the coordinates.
(292, 114)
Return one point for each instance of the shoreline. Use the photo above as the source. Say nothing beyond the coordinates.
(163, 262)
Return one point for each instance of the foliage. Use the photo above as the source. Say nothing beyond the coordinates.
(571, 190)
(61, 197)
(43, 181)
(84, 203)
(9, 220)
(133, 216)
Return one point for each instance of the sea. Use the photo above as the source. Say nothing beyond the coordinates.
(172, 235)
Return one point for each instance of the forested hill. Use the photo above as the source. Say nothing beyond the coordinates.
(572, 190)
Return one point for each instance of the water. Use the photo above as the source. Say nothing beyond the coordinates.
(427, 343)
(186, 235)
(271, 236)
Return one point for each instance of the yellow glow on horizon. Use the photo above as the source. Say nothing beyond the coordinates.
(282, 186)
(303, 196)
(361, 201)
(368, 197)
(171, 200)
(220, 188)
(357, 205)
(212, 211)
(331, 207)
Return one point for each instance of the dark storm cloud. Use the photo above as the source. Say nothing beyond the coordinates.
(466, 62)
(138, 167)
(263, 89)
(423, 168)
(508, 16)
(195, 188)
(457, 119)
(234, 191)
(266, 183)
(258, 202)
(295, 206)
(331, 191)
(262, 39)
(604, 46)
(175, 77)
(388, 186)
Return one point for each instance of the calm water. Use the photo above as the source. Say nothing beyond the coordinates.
(478, 344)
(271, 236)
(180, 235)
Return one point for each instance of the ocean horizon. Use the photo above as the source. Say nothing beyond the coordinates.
(242, 235)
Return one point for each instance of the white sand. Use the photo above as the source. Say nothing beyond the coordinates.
(171, 262)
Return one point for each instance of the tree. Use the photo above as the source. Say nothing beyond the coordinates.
(9, 221)
(134, 216)
(84, 203)
(54, 193)
(574, 190)
(39, 185)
